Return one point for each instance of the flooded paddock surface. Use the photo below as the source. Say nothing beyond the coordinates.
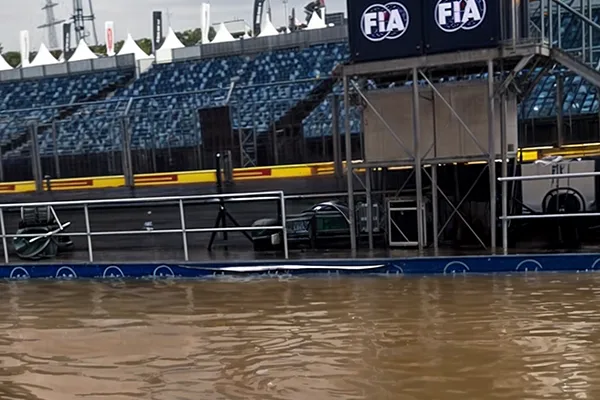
(453, 338)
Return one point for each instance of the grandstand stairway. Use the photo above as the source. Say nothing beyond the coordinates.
(291, 123)
(576, 65)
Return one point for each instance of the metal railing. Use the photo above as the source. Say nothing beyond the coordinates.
(180, 201)
(505, 218)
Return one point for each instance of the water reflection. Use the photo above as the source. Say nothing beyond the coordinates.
(495, 337)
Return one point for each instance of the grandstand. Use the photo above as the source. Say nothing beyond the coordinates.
(279, 91)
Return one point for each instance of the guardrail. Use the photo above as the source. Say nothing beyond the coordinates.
(505, 218)
(181, 201)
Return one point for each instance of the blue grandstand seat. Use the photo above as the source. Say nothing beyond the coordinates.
(24, 100)
(163, 112)
(168, 96)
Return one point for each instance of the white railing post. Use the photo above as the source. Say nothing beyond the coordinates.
(183, 231)
(4, 241)
(284, 227)
(88, 232)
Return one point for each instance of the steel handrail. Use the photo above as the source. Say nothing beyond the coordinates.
(242, 197)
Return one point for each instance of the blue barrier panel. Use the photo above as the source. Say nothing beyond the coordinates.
(382, 30)
(408, 266)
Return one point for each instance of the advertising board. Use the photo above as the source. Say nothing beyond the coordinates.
(389, 29)
(454, 25)
(381, 29)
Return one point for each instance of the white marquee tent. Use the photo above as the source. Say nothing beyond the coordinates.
(82, 52)
(165, 54)
(131, 47)
(316, 22)
(223, 35)
(268, 29)
(43, 57)
(171, 41)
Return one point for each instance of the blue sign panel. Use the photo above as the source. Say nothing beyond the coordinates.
(453, 25)
(382, 30)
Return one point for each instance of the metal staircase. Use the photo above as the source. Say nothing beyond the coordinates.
(571, 29)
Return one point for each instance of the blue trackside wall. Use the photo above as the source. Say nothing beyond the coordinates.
(392, 266)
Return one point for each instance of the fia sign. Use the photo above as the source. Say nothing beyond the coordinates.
(454, 15)
(384, 21)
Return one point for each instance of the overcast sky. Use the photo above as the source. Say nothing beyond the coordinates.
(133, 16)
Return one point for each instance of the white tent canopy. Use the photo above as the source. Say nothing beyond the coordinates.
(223, 35)
(4, 66)
(82, 52)
(171, 41)
(43, 57)
(131, 47)
(316, 22)
(268, 28)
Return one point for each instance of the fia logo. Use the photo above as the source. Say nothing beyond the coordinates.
(453, 15)
(389, 21)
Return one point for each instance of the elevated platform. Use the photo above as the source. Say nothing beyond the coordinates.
(446, 64)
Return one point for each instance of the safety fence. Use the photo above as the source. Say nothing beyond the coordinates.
(42, 234)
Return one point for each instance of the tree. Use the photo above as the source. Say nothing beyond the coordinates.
(13, 58)
(193, 37)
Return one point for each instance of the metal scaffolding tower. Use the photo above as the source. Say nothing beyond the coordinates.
(80, 18)
(51, 23)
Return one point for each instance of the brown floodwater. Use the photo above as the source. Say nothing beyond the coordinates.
(448, 338)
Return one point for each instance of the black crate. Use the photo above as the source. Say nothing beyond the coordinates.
(401, 36)
(452, 25)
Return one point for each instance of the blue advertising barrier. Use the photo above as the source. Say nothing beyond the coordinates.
(408, 266)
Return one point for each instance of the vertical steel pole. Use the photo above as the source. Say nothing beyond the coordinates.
(513, 17)
(560, 90)
(4, 241)
(583, 33)
(417, 154)
(590, 32)
(559, 18)
(369, 189)
(337, 143)
(127, 159)
(1, 166)
(88, 232)
(183, 231)
(55, 150)
(504, 173)
(435, 205)
(286, 250)
(492, 154)
(36, 161)
(551, 22)
(350, 176)
(543, 19)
